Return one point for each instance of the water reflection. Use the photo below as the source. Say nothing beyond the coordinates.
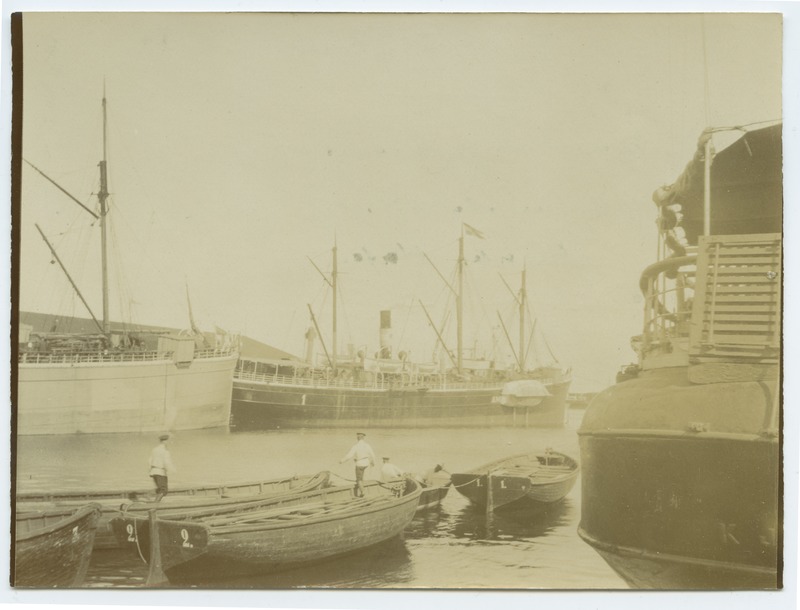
(114, 569)
(387, 562)
(472, 523)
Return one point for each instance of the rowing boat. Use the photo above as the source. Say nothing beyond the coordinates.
(432, 496)
(209, 545)
(520, 481)
(111, 501)
(52, 548)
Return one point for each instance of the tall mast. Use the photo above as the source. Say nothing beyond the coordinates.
(102, 196)
(522, 297)
(334, 274)
(459, 302)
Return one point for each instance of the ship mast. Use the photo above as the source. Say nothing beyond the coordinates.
(460, 303)
(102, 196)
(522, 298)
(332, 283)
(334, 274)
(457, 292)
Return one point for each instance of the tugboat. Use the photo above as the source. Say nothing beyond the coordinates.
(682, 461)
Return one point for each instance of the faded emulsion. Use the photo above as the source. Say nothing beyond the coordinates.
(430, 235)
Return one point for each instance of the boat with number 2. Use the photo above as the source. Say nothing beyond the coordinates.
(180, 498)
(206, 546)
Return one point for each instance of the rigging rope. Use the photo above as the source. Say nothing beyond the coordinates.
(405, 326)
(706, 99)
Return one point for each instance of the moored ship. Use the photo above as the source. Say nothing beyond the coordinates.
(114, 378)
(358, 391)
(681, 458)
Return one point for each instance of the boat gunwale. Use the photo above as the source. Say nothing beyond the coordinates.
(181, 492)
(319, 519)
(486, 469)
(70, 516)
(198, 520)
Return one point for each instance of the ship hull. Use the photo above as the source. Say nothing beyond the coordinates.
(111, 397)
(680, 482)
(274, 405)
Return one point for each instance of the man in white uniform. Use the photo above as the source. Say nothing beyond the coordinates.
(160, 466)
(361, 453)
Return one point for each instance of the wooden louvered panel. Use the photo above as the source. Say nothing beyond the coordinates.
(746, 298)
(745, 290)
(736, 311)
(743, 249)
(754, 263)
(724, 277)
(745, 317)
(769, 309)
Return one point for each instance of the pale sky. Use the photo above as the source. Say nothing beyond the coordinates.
(240, 145)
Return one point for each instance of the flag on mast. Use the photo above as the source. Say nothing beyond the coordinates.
(472, 231)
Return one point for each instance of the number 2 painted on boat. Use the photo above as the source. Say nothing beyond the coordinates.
(185, 538)
(131, 532)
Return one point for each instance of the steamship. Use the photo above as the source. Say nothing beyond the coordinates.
(109, 378)
(681, 458)
(357, 391)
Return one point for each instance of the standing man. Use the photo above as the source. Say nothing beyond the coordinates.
(361, 453)
(160, 466)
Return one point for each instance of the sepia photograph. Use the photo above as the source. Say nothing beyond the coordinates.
(397, 301)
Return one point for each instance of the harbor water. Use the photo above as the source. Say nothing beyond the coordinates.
(455, 546)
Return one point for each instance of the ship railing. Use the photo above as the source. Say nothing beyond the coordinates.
(92, 357)
(112, 356)
(668, 289)
(376, 383)
(215, 352)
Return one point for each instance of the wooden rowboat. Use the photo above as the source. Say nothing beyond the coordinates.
(432, 496)
(181, 498)
(520, 481)
(52, 548)
(209, 545)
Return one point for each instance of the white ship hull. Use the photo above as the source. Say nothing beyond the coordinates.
(128, 396)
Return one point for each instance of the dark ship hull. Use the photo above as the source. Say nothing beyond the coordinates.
(681, 485)
(684, 481)
(275, 405)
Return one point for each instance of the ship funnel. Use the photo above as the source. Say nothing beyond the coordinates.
(386, 335)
